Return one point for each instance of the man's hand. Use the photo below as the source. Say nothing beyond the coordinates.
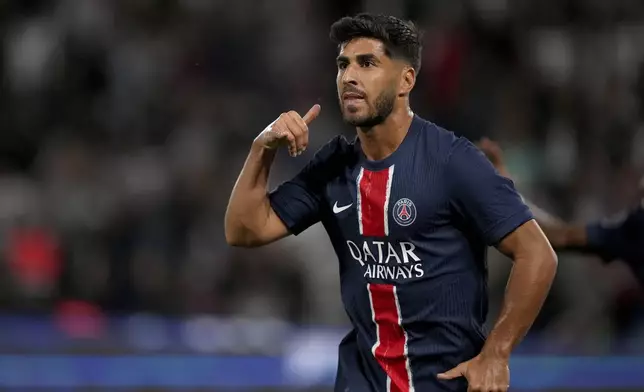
(493, 152)
(289, 129)
(483, 374)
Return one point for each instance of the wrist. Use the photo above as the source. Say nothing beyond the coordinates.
(261, 154)
(259, 147)
(495, 351)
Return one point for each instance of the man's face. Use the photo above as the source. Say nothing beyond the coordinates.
(367, 82)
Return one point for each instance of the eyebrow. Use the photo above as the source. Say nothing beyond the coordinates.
(359, 58)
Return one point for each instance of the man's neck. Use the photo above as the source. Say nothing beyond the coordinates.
(382, 140)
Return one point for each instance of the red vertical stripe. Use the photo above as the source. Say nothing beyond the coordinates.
(373, 195)
(390, 349)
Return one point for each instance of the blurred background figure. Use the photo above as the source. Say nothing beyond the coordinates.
(124, 124)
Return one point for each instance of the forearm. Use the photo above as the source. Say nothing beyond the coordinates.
(249, 208)
(528, 286)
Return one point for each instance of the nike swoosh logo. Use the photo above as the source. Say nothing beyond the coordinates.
(337, 210)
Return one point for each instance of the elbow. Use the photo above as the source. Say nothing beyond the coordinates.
(543, 252)
(553, 262)
(549, 261)
(243, 243)
(240, 238)
(240, 242)
(234, 231)
(541, 259)
(550, 255)
(233, 240)
(253, 232)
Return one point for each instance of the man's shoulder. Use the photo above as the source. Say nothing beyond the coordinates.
(439, 142)
(337, 151)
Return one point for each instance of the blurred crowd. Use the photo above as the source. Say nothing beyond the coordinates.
(125, 123)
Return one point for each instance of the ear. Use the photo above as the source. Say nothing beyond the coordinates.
(407, 81)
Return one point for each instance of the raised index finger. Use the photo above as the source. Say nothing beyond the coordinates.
(312, 114)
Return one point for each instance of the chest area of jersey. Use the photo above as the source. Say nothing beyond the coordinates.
(395, 202)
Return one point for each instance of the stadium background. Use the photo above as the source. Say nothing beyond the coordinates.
(123, 125)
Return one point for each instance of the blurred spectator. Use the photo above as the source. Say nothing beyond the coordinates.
(124, 125)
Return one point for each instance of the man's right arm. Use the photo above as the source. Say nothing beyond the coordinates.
(250, 220)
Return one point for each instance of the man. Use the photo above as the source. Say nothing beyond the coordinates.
(618, 238)
(409, 209)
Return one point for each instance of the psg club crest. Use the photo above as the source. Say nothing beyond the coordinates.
(404, 212)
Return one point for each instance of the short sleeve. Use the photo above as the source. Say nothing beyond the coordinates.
(481, 196)
(298, 202)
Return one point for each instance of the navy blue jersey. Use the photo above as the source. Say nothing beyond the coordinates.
(410, 232)
(620, 238)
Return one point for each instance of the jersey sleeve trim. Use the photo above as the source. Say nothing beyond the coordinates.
(279, 204)
(502, 229)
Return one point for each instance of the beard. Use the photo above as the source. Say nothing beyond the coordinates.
(382, 108)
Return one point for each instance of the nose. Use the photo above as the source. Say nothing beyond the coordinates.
(349, 76)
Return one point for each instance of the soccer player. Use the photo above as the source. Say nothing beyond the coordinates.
(618, 238)
(410, 209)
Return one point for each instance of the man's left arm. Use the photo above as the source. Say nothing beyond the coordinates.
(533, 271)
(491, 206)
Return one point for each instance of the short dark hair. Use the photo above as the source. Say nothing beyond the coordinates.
(402, 39)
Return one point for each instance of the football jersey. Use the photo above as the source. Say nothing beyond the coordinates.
(410, 232)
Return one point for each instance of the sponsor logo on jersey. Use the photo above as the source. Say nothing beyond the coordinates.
(387, 260)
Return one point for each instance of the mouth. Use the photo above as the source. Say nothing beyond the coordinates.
(352, 96)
